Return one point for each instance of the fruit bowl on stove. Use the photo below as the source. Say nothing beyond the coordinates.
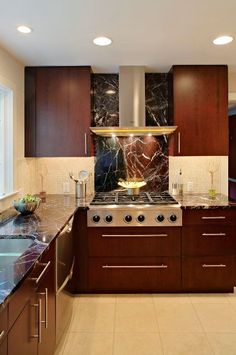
(132, 185)
(27, 204)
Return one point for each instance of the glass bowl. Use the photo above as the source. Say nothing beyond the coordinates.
(26, 207)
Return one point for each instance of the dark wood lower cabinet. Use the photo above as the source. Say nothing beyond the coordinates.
(32, 311)
(199, 257)
(46, 293)
(156, 274)
(22, 336)
(3, 347)
(209, 273)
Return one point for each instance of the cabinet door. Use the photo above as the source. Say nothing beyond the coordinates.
(3, 347)
(200, 106)
(46, 293)
(61, 99)
(22, 338)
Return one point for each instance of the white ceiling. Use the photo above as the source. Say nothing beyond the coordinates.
(154, 33)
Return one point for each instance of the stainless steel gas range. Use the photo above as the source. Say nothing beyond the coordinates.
(149, 209)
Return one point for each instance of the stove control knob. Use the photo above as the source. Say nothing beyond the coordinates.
(108, 218)
(96, 218)
(173, 218)
(128, 218)
(160, 218)
(141, 218)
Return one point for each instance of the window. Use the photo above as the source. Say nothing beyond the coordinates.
(6, 140)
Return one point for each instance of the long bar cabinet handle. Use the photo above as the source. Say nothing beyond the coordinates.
(179, 143)
(37, 279)
(134, 236)
(45, 294)
(162, 266)
(214, 234)
(2, 334)
(85, 144)
(216, 217)
(213, 265)
(39, 335)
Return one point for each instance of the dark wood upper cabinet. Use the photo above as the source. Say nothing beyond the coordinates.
(57, 111)
(199, 107)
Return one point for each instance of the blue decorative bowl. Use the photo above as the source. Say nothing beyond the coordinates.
(26, 208)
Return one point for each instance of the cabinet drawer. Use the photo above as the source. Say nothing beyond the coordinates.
(135, 274)
(211, 216)
(212, 273)
(19, 300)
(3, 323)
(209, 240)
(134, 242)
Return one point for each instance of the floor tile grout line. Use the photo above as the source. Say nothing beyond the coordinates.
(158, 326)
(114, 325)
(204, 331)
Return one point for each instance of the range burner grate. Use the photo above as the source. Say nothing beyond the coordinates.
(122, 198)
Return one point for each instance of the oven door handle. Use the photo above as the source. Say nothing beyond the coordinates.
(161, 266)
(134, 236)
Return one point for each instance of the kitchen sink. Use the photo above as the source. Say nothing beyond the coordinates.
(12, 247)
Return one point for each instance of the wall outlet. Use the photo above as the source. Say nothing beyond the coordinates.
(66, 187)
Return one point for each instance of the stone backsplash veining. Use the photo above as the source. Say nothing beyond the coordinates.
(128, 157)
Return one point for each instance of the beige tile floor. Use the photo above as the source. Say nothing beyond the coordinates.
(197, 324)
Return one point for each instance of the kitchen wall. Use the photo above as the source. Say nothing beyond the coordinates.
(55, 172)
(139, 157)
(12, 75)
(196, 170)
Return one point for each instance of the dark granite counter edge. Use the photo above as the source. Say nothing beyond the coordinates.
(209, 207)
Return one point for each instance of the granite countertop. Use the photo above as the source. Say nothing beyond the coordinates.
(198, 201)
(43, 226)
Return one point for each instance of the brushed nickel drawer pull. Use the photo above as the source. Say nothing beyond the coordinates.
(213, 265)
(39, 335)
(216, 217)
(213, 234)
(2, 334)
(134, 236)
(85, 144)
(45, 294)
(37, 279)
(162, 266)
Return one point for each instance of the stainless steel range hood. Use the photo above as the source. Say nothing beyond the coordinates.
(132, 107)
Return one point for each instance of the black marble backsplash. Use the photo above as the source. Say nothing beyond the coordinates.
(130, 157)
(156, 99)
(105, 100)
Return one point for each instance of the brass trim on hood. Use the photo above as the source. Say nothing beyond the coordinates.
(133, 131)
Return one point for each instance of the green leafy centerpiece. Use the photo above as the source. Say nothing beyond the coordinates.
(27, 204)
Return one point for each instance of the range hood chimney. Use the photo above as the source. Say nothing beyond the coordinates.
(132, 96)
(132, 107)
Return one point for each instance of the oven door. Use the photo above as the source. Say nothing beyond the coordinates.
(64, 272)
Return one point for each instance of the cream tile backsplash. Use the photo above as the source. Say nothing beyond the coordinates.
(196, 170)
(56, 173)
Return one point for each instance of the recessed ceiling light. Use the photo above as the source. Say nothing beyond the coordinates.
(24, 29)
(219, 41)
(102, 41)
